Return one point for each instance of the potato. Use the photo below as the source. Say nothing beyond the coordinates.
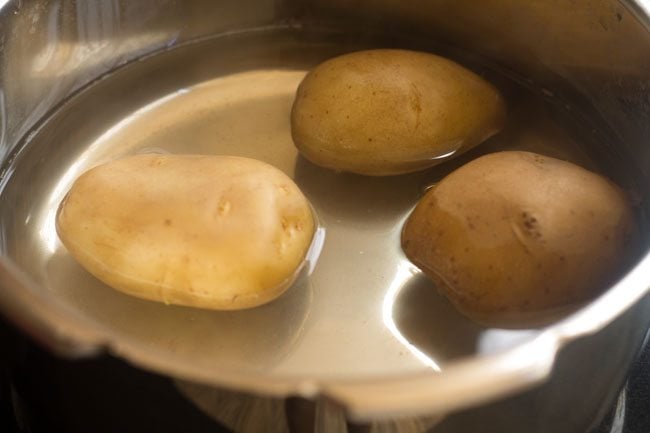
(517, 232)
(214, 232)
(386, 112)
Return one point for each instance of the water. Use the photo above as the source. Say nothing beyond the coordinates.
(364, 311)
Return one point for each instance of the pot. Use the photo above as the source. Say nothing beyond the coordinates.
(360, 332)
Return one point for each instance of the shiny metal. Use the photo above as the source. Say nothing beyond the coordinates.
(365, 331)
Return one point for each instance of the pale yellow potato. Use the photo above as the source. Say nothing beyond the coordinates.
(385, 112)
(518, 232)
(215, 232)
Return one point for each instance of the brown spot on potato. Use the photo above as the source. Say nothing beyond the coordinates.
(224, 208)
(539, 159)
(530, 225)
(157, 161)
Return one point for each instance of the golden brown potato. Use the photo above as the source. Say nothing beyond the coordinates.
(384, 112)
(213, 232)
(517, 232)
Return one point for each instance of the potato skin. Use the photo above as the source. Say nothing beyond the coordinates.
(518, 232)
(386, 112)
(215, 232)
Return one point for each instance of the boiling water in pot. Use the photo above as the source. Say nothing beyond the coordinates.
(364, 310)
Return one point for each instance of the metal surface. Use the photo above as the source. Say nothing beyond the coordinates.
(364, 329)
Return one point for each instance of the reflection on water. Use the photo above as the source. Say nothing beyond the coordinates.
(494, 340)
(431, 328)
(405, 271)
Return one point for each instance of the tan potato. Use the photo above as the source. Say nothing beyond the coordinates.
(214, 232)
(385, 112)
(517, 232)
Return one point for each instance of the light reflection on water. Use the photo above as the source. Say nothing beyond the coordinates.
(405, 271)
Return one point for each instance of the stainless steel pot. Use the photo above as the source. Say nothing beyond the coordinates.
(55, 56)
